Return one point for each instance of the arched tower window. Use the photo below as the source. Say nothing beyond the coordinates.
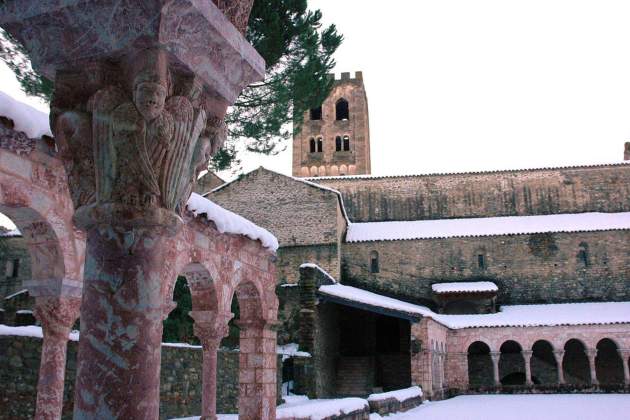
(312, 144)
(346, 143)
(338, 143)
(583, 254)
(342, 110)
(320, 145)
(316, 113)
(374, 268)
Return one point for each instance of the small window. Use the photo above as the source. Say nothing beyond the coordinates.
(481, 261)
(346, 143)
(316, 113)
(342, 111)
(338, 143)
(8, 269)
(374, 262)
(16, 268)
(583, 254)
(312, 143)
(320, 145)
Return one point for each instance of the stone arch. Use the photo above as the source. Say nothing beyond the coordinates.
(575, 363)
(608, 363)
(343, 170)
(479, 365)
(322, 170)
(304, 171)
(334, 170)
(352, 169)
(313, 170)
(511, 364)
(543, 363)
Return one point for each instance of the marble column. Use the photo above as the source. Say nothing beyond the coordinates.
(210, 328)
(57, 315)
(592, 354)
(559, 355)
(496, 355)
(257, 370)
(625, 354)
(527, 356)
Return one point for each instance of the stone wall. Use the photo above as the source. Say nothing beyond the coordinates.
(505, 193)
(13, 251)
(180, 386)
(537, 268)
(295, 212)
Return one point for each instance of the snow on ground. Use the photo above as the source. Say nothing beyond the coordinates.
(522, 407)
(484, 226)
(465, 286)
(228, 222)
(600, 313)
(319, 409)
(27, 119)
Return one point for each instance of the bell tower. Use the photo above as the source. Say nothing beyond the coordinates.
(334, 139)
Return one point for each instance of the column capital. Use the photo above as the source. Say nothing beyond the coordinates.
(211, 326)
(57, 314)
(624, 352)
(495, 354)
(591, 352)
(527, 354)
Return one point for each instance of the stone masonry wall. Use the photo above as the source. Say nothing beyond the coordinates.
(537, 268)
(296, 213)
(180, 385)
(506, 193)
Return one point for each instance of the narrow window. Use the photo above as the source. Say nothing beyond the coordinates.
(16, 268)
(320, 145)
(312, 142)
(338, 143)
(583, 254)
(316, 113)
(8, 269)
(481, 261)
(346, 143)
(342, 111)
(374, 262)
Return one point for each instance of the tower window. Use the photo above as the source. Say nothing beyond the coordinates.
(12, 268)
(312, 144)
(481, 261)
(320, 145)
(374, 262)
(583, 254)
(316, 113)
(346, 143)
(342, 111)
(338, 143)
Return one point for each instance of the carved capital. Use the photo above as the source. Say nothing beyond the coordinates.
(57, 315)
(211, 327)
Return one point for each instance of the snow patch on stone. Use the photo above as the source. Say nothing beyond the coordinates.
(319, 409)
(228, 222)
(12, 295)
(27, 119)
(486, 226)
(291, 350)
(465, 287)
(400, 395)
(317, 267)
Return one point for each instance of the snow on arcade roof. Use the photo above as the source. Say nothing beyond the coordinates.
(600, 313)
(465, 287)
(228, 222)
(27, 119)
(486, 226)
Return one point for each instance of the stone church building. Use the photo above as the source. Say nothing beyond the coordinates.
(505, 281)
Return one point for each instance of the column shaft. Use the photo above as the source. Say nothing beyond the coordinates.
(559, 355)
(591, 354)
(121, 324)
(625, 353)
(527, 356)
(495, 367)
(209, 397)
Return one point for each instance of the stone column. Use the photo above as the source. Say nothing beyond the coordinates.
(57, 315)
(559, 355)
(496, 355)
(257, 370)
(625, 354)
(591, 354)
(210, 328)
(527, 356)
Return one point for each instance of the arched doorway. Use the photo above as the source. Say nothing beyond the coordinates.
(608, 363)
(543, 363)
(479, 365)
(575, 363)
(511, 364)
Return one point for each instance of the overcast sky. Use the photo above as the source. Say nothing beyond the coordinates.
(458, 85)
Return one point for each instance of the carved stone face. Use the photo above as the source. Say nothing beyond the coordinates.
(149, 98)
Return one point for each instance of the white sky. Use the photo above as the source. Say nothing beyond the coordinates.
(457, 85)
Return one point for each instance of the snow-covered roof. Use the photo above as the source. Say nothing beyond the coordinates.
(26, 119)
(228, 222)
(600, 313)
(10, 233)
(19, 292)
(317, 267)
(465, 287)
(303, 408)
(486, 226)
(400, 395)
(480, 172)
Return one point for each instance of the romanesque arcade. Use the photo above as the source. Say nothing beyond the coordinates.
(137, 111)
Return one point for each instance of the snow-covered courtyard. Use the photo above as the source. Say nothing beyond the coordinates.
(513, 407)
